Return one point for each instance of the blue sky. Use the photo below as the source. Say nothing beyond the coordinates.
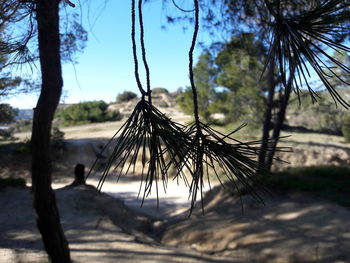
(105, 68)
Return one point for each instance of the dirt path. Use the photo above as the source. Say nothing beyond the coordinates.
(173, 198)
(101, 229)
(98, 228)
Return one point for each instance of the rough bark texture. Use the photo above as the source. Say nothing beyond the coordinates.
(48, 219)
(267, 116)
(281, 115)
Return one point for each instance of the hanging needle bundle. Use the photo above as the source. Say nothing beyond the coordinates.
(148, 137)
(214, 151)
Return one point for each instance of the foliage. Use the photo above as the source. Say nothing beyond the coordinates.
(237, 70)
(344, 58)
(7, 134)
(300, 44)
(239, 66)
(326, 117)
(7, 82)
(330, 182)
(204, 75)
(185, 100)
(57, 134)
(7, 113)
(126, 96)
(87, 112)
(20, 44)
(57, 137)
(12, 182)
(74, 38)
(346, 128)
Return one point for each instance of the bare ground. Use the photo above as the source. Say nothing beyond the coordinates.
(99, 228)
(289, 228)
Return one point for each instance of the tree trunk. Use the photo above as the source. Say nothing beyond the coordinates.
(267, 117)
(284, 100)
(48, 220)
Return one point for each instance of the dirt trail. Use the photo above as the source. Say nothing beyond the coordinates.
(173, 197)
(98, 227)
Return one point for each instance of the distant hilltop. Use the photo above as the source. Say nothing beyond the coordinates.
(27, 114)
(162, 99)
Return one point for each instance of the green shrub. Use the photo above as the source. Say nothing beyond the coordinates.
(57, 137)
(87, 112)
(346, 128)
(326, 117)
(57, 134)
(126, 96)
(329, 182)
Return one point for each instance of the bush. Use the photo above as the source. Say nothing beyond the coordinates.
(326, 117)
(346, 128)
(87, 112)
(57, 134)
(57, 137)
(7, 133)
(23, 126)
(329, 182)
(126, 96)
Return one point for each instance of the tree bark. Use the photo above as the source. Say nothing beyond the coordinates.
(267, 117)
(283, 103)
(48, 220)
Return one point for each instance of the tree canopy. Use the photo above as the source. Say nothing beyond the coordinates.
(7, 113)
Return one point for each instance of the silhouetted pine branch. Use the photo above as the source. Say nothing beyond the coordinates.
(304, 40)
(150, 138)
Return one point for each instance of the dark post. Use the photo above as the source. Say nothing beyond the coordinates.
(79, 174)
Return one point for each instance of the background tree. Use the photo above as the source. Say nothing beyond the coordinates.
(7, 113)
(185, 101)
(318, 26)
(126, 96)
(239, 65)
(302, 37)
(204, 74)
(313, 28)
(204, 77)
